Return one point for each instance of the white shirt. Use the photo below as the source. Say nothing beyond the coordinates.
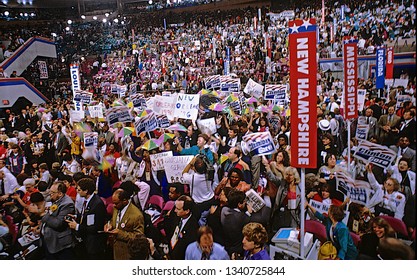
(73, 167)
(10, 183)
(200, 189)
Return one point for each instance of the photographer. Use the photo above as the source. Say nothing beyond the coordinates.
(200, 181)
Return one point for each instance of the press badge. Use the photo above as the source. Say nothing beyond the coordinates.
(175, 236)
(90, 220)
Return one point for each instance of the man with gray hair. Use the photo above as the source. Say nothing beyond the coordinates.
(56, 236)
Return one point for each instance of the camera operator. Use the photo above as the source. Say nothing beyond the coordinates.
(201, 190)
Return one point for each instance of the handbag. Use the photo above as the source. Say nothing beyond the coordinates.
(327, 251)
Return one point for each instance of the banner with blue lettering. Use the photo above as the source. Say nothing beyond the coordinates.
(377, 154)
(358, 191)
(187, 106)
(90, 139)
(275, 92)
(258, 143)
(146, 123)
(75, 77)
(380, 67)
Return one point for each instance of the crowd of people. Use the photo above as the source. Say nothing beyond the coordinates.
(108, 201)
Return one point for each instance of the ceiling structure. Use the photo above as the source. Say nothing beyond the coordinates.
(59, 3)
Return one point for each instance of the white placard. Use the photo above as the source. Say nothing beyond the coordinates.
(157, 160)
(146, 123)
(376, 154)
(207, 126)
(400, 82)
(174, 166)
(76, 116)
(253, 88)
(90, 139)
(165, 105)
(186, 106)
(362, 131)
(361, 98)
(96, 111)
(118, 114)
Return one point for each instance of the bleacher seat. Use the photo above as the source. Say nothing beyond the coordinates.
(317, 229)
(398, 225)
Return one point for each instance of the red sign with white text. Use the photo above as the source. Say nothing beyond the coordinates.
(303, 88)
(389, 66)
(350, 68)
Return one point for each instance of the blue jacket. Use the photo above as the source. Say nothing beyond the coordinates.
(261, 255)
(346, 249)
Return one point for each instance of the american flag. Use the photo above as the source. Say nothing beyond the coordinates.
(300, 25)
(350, 39)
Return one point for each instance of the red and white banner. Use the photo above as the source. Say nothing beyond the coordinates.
(350, 68)
(389, 66)
(303, 88)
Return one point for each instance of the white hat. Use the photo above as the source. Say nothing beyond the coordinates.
(324, 125)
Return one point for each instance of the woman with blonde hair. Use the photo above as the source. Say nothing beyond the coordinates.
(286, 209)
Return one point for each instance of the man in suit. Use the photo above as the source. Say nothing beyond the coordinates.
(33, 119)
(24, 118)
(103, 183)
(108, 135)
(59, 142)
(385, 124)
(181, 227)
(372, 122)
(403, 150)
(90, 221)
(126, 222)
(34, 149)
(408, 128)
(56, 236)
